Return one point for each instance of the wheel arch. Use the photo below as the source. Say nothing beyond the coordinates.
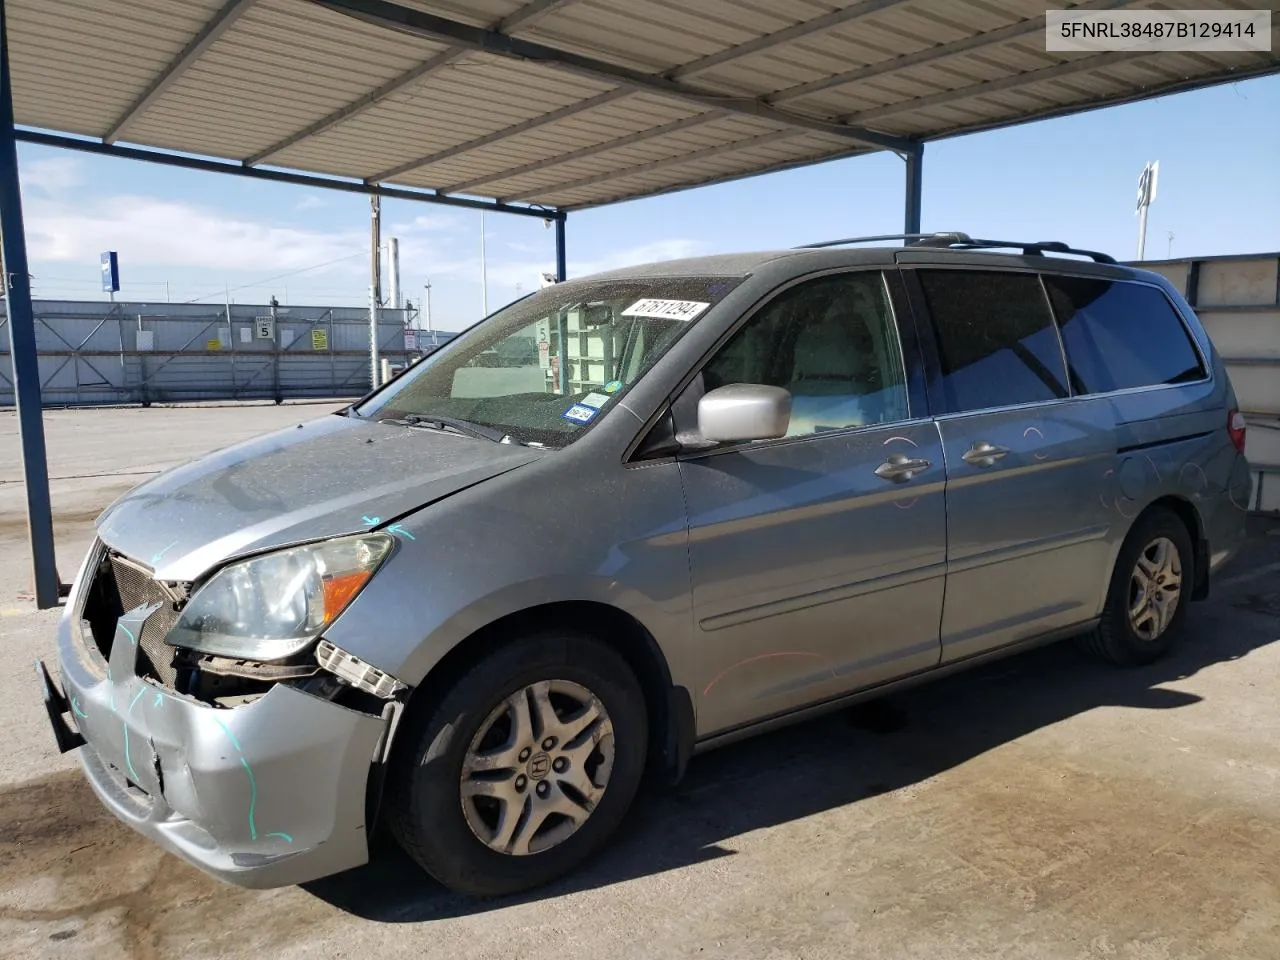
(670, 707)
(1186, 511)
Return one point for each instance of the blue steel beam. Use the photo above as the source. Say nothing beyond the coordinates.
(278, 176)
(562, 273)
(22, 345)
(915, 170)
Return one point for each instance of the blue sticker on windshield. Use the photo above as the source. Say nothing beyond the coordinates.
(579, 413)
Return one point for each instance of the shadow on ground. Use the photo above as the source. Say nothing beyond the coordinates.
(878, 747)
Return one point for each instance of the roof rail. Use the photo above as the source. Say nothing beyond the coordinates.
(921, 239)
(955, 240)
(1034, 249)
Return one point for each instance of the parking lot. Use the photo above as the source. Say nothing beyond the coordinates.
(1043, 806)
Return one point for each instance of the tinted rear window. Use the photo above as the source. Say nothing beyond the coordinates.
(1119, 335)
(996, 340)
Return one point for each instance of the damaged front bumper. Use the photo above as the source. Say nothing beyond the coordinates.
(267, 793)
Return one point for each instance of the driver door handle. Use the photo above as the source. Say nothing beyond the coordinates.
(900, 468)
(983, 454)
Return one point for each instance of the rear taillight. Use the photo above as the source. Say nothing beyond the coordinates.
(1236, 427)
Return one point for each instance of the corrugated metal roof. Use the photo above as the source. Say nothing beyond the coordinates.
(617, 99)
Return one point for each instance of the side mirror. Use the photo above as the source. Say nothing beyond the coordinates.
(744, 411)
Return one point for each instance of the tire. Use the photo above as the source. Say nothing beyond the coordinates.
(440, 827)
(1117, 639)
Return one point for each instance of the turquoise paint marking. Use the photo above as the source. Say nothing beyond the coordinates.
(253, 798)
(370, 521)
(158, 701)
(248, 771)
(75, 708)
(134, 701)
(396, 528)
(127, 759)
(155, 557)
(283, 836)
(129, 633)
(231, 736)
(113, 699)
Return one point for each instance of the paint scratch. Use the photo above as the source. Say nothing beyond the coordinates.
(762, 656)
(128, 760)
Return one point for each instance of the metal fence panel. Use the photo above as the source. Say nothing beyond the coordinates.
(96, 353)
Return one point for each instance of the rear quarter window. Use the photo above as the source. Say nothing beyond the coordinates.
(1120, 335)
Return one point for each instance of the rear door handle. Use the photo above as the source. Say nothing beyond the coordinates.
(900, 468)
(983, 454)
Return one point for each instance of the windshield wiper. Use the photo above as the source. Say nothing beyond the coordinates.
(465, 427)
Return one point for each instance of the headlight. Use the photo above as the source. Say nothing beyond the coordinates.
(274, 605)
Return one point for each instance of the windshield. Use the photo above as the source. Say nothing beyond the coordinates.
(547, 367)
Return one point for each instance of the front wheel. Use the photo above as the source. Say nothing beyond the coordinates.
(523, 768)
(1149, 591)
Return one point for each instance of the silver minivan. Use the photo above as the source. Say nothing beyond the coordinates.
(633, 517)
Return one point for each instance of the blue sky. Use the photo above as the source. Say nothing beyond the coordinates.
(188, 235)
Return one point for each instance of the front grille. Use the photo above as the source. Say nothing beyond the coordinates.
(121, 584)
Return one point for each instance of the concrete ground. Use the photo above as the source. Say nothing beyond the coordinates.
(1041, 807)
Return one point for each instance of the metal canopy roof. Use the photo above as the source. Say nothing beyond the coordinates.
(562, 103)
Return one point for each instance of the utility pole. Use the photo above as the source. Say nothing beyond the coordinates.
(375, 284)
(1168, 253)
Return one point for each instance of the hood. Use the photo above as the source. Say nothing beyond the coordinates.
(331, 476)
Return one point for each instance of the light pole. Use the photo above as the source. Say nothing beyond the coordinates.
(484, 272)
(1146, 194)
(427, 303)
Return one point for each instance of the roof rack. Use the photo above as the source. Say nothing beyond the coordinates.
(954, 240)
(1036, 249)
(921, 239)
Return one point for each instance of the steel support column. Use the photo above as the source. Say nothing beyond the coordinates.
(562, 272)
(915, 166)
(22, 345)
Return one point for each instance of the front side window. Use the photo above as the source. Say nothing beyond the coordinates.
(833, 344)
(1120, 335)
(547, 367)
(996, 340)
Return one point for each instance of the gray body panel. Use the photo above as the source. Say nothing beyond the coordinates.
(1026, 534)
(774, 577)
(812, 576)
(320, 479)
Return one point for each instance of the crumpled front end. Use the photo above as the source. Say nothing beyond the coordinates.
(259, 779)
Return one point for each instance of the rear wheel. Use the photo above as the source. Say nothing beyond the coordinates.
(524, 767)
(1149, 591)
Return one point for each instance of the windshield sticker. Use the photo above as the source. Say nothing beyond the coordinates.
(579, 413)
(613, 386)
(665, 309)
(595, 400)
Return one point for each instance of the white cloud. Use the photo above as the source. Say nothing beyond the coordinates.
(147, 230)
(51, 175)
(424, 223)
(310, 201)
(441, 261)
